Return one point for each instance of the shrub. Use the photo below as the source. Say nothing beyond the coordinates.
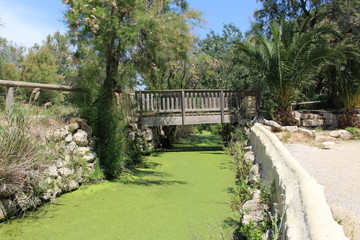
(20, 154)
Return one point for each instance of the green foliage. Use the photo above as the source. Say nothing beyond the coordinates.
(96, 175)
(20, 154)
(355, 132)
(288, 61)
(254, 231)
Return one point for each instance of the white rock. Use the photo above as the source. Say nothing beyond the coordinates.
(61, 163)
(90, 157)
(307, 132)
(72, 185)
(249, 157)
(72, 127)
(327, 145)
(289, 128)
(254, 173)
(52, 171)
(296, 114)
(81, 151)
(148, 135)
(253, 209)
(81, 138)
(68, 138)
(71, 147)
(64, 171)
(342, 134)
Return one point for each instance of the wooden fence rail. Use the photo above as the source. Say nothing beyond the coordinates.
(10, 85)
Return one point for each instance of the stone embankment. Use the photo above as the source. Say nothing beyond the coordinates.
(323, 119)
(71, 168)
(298, 195)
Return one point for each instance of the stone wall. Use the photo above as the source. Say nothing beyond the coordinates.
(299, 196)
(317, 119)
(142, 136)
(73, 167)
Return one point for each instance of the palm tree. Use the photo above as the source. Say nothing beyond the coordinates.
(288, 60)
(344, 80)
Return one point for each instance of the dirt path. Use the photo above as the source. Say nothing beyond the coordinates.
(338, 170)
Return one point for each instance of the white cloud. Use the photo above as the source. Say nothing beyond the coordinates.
(26, 26)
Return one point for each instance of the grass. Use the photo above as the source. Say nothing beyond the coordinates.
(20, 154)
(176, 195)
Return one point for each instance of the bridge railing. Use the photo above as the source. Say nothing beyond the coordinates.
(180, 101)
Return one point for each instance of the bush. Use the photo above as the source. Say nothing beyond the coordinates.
(20, 154)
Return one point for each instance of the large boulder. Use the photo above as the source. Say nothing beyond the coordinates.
(81, 138)
(342, 134)
(253, 209)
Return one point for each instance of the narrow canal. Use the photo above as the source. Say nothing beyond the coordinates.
(180, 196)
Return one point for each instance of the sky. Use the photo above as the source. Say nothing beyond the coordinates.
(26, 22)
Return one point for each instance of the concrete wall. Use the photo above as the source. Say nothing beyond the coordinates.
(300, 197)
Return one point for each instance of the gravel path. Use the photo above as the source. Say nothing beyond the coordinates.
(338, 170)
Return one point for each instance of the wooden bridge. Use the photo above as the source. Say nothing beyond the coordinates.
(188, 107)
(170, 107)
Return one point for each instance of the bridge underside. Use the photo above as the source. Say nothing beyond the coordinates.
(171, 120)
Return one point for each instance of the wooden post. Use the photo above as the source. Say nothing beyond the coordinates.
(9, 98)
(257, 99)
(140, 98)
(222, 106)
(183, 106)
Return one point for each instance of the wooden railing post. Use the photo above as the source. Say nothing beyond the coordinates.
(222, 105)
(9, 98)
(257, 99)
(183, 106)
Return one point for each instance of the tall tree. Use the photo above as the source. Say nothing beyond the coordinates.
(118, 29)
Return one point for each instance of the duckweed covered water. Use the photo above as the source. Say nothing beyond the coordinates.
(183, 195)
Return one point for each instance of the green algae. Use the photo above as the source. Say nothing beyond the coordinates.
(183, 195)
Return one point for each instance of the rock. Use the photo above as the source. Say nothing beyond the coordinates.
(24, 201)
(274, 125)
(296, 114)
(148, 135)
(82, 151)
(133, 126)
(249, 157)
(310, 116)
(72, 127)
(148, 147)
(289, 128)
(60, 163)
(7, 208)
(52, 171)
(330, 120)
(90, 157)
(253, 209)
(131, 135)
(72, 185)
(306, 132)
(81, 138)
(70, 147)
(248, 148)
(312, 122)
(48, 195)
(327, 145)
(68, 138)
(254, 174)
(268, 128)
(342, 134)
(64, 171)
